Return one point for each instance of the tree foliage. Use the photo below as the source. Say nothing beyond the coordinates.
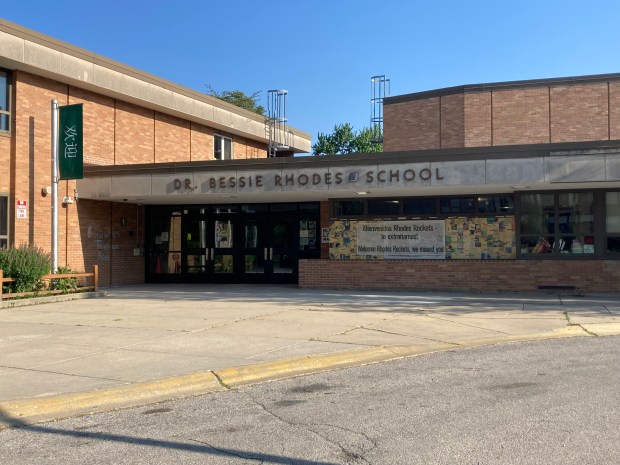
(239, 98)
(344, 139)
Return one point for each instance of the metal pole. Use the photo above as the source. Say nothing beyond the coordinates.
(54, 186)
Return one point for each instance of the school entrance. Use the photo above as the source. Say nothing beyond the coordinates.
(244, 243)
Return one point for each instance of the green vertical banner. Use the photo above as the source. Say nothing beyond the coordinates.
(71, 142)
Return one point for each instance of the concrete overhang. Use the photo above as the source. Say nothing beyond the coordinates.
(469, 171)
(29, 51)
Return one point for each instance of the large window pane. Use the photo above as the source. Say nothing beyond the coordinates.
(349, 208)
(537, 214)
(4, 102)
(383, 207)
(222, 147)
(612, 202)
(575, 214)
(4, 215)
(452, 205)
(420, 206)
(497, 204)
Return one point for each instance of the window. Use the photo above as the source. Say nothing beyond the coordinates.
(346, 208)
(456, 205)
(384, 207)
(557, 224)
(612, 222)
(222, 147)
(420, 206)
(5, 100)
(4, 221)
(496, 204)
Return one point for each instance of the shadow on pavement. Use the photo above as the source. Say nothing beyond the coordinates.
(199, 447)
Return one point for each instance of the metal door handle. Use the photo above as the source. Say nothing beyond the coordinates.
(265, 254)
(212, 253)
(271, 253)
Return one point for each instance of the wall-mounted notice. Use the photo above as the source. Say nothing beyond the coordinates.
(402, 239)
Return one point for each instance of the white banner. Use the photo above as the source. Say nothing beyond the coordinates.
(402, 239)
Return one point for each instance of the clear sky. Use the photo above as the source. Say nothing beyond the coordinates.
(324, 52)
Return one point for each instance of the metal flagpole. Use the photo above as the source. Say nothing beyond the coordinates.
(54, 186)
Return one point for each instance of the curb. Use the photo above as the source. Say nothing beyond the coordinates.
(28, 411)
(22, 412)
(50, 299)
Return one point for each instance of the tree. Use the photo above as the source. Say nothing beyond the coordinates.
(239, 98)
(344, 139)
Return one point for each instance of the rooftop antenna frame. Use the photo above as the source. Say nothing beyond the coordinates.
(379, 89)
(277, 121)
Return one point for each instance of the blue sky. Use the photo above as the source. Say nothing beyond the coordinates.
(324, 52)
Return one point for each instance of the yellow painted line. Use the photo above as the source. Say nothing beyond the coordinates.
(13, 413)
(603, 329)
(268, 371)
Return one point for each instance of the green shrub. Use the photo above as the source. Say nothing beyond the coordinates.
(27, 264)
(65, 285)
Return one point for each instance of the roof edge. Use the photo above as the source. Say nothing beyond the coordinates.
(501, 86)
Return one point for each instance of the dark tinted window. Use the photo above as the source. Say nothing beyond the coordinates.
(383, 207)
(420, 206)
(349, 208)
(451, 205)
(497, 204)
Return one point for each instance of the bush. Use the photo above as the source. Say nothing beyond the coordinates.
(27, 264)
(65, 285)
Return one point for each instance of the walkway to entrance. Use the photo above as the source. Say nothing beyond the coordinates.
(149, 332)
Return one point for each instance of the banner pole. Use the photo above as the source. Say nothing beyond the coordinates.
(54, 186)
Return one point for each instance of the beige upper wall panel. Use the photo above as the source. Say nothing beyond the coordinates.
(77, 68)
(12, 47)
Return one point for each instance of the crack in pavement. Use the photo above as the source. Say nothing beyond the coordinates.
(64, 374)
(307, 427)
(465, 324)
(364, 435)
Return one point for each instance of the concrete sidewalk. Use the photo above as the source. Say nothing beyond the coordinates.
(154, 342)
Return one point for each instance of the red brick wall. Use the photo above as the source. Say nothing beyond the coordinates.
(134, 134)
(30, 164)
(115, 132)
(528, 115)
(411, 124)
(172, 139)
(478, 119)
(614, 110)
(452, 121)
(588, 276)
(201, 142)
(521, 116)
(579, 112)
(98, 125)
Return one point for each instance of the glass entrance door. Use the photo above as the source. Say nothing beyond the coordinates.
(247, 243)
(224, 258)
(195, 248)
(255, 251)
(283, 250)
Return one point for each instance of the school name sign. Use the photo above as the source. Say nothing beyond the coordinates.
(402, 239)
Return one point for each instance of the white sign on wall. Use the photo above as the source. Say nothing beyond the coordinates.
(402, 239)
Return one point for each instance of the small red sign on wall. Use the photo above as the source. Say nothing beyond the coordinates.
(21, 211)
